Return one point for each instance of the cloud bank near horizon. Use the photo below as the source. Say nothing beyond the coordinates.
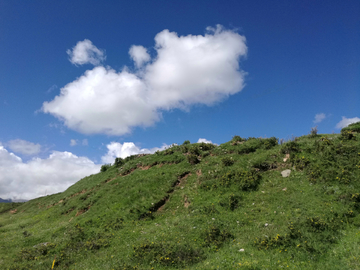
(186, 70)
(40, 177)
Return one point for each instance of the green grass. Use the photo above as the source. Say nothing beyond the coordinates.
(164, 211)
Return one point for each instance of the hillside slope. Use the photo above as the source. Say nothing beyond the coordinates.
(200, 206)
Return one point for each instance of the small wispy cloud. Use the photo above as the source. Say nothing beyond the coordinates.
(346, 121)
(319, 118)
(73, 142)
(85, 142)
(24, 147)
(52, 88)
(86, 53)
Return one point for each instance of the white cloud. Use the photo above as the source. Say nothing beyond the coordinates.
(126, 149)
(86, 53)
(202, 140)
(139, 55)
(201, 69)
(347, 121)
(24, 147)
(103, 101)
(319, 117)
(73, 142)
(85, 142)
(39, 177)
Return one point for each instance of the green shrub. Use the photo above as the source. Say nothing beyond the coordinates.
(193, 159)
(346, 135)
(167, 254)
(195, 150)
(214, 236)
(237, 139)
(231, 202)
(119, 161)
(300, 163)
(244, 179)
(270, 143)
(290, 147)
(354, 127)
(227, 161)
(105, 167)
(186, 142)
(206, 146)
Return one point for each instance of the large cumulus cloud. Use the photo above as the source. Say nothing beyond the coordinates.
(186, 70)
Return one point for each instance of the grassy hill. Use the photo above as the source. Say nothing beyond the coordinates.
(200, 206)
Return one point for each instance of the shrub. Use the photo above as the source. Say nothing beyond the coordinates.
(236, 139)
(168, 254)
(231, 202)
(270, 143)
(244, 179)
(300, 162)
(105, 167)
(195, 150)
(227, 161)
(290, 147)
(214, 236)
(354, 127)
(206, 146)
(346, 135)
(119, 161)
(186, 142)
(193, 159)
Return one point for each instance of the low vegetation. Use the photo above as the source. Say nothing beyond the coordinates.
(201, 206)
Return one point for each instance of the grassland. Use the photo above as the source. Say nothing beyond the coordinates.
(200, 206)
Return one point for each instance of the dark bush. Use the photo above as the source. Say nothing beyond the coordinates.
(270, 143)
(290, 147)
(119, 161)
(105, 167)
(168, 254)
(186, 142)
(195, 150)
(237, 139)
(346, 135)
(193, 159)
(214, 236)
(354, 127)
(231, 202)
(244, 179)
(206, 146)
(227, 161)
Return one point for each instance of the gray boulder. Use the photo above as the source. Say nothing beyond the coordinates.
(286, 173)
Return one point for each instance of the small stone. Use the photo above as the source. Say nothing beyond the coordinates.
(241, 250)
(213, 218)
(286, 173)
(284, 189)
(263, 191)
(266, 224)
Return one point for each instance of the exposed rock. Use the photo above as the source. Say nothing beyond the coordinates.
(286, 173)
(287, 156)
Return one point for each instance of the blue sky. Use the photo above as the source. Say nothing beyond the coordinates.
(84, 81)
